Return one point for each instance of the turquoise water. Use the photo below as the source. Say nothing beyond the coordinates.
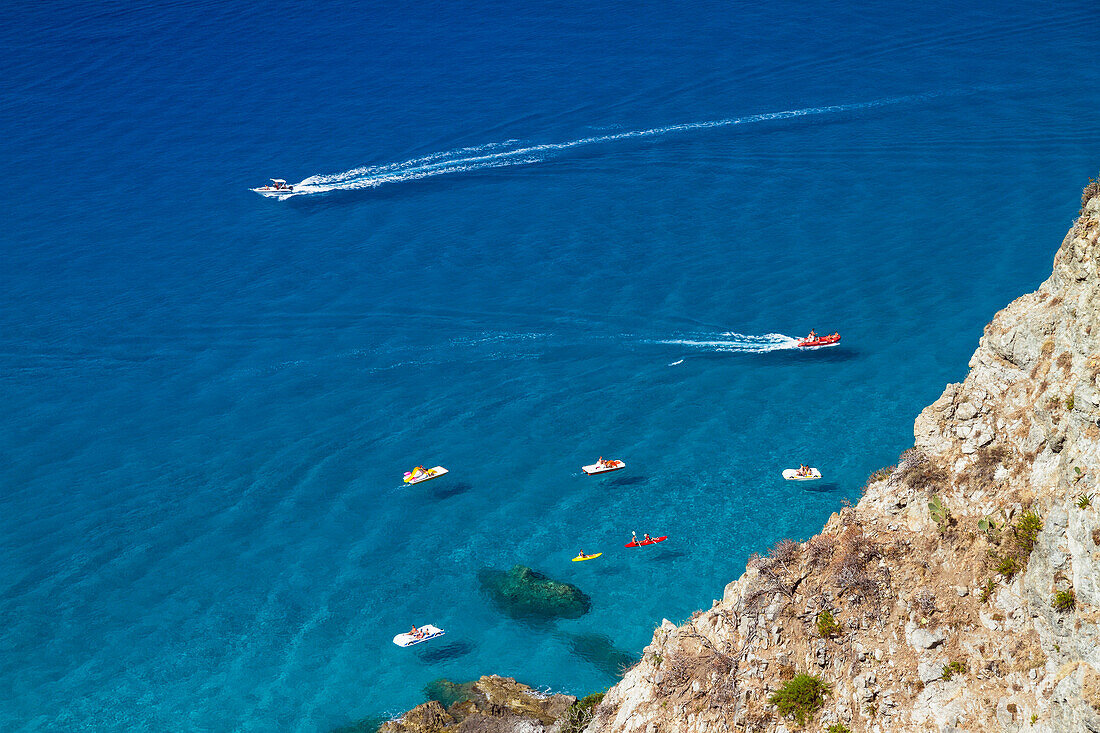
(212, 397)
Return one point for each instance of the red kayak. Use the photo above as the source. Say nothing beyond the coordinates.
(820, 340)
(643, 543)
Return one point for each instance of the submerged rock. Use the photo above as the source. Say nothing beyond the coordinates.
(448, 693)
(599, 651)
(524, 593)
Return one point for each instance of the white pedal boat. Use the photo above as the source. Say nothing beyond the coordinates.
(791, 474)
(603, 467)
(420, 473)
(428, 632)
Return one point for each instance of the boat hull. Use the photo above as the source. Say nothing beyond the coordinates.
(430, 632)
(609, 466)
(824, 341)
(435, 472)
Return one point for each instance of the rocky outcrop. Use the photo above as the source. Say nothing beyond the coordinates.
(976, 613)
(962, 592)
(527, 594)
(496, 704)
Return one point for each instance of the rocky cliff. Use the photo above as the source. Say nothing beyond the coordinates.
(962, 592)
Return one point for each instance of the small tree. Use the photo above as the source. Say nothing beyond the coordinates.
(827, 625)
(800, 698)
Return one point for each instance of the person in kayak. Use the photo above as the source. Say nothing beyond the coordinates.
(647, 538)
(633, 536)
(581, 555)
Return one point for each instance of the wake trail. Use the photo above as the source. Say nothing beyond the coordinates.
(513, 152)
(736, 342)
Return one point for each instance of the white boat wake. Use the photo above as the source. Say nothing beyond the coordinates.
(513, 152)
(737, 342)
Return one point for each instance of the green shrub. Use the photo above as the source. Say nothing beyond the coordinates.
(580, 713)
(1069, 402)
(1064, 600)
(800, 698)
(1027, 529)
(952, 669)
(1084, 501)
(827, 624)
(1008, 566)
(987, 590)
(838, 728)
(1025, 533)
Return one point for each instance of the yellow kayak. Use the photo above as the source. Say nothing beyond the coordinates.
(587, 557)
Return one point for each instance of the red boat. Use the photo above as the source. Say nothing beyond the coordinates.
(814, 340)
(643, 543)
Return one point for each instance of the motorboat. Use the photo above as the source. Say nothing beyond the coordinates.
(277, 189)
(814, 340)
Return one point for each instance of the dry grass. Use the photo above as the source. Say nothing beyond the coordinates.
(1090, 191)
(1090, 688)
(1065, 363)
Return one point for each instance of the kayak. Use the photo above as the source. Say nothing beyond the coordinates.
(603, 468)
(429, 632)
(419, 474)
(820, 341)
(791, 474)
(587, 557)
(643, 543)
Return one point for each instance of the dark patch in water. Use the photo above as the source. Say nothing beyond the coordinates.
(450, 489)
(628, 480)
(528, 595)
(817, 487)
(600, 652)
(445, 652)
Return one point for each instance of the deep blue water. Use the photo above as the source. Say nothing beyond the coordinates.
(210, 397)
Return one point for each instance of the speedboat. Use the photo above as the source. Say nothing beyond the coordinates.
(814, 340)
(602, 466)
(420, 473)
(806, 474)
(427, 631)
(278, 187)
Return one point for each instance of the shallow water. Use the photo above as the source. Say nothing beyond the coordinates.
(211, 397)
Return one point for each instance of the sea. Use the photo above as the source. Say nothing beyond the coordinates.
(526, 235)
